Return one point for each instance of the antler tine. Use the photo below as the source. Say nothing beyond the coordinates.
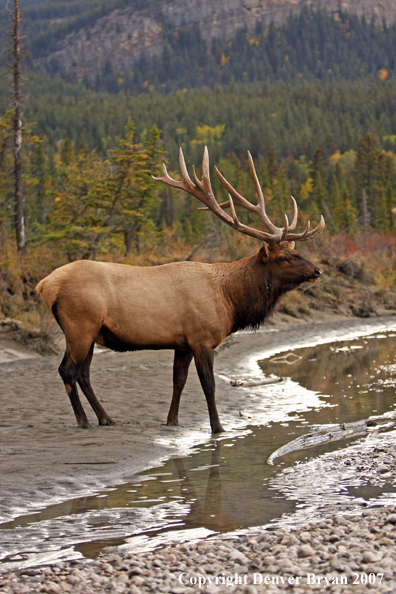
(307, 235)
(167, 179)
(295, 215)
(285, 229)
(318, 229)
(202, 189)
(233, 212)
(205, 172)
(315, 232)
(184, 170)
(237, 198)
(244, 228)
(260, 195)
(260, 199)
(205, 166)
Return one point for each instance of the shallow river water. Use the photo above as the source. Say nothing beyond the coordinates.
(225, 484)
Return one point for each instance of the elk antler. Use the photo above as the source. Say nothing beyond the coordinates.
(203, 191)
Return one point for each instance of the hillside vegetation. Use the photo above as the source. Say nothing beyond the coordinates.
(309, 46)
(321, 126)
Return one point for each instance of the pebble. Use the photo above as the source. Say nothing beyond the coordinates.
(305, 551)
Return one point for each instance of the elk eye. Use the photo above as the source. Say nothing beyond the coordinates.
(282, 259)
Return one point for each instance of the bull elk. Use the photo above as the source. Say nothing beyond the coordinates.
(187, 306)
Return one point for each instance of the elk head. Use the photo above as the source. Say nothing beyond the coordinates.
(286, 267)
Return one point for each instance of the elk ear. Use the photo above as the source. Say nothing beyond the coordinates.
(292, 244)
(264, 252)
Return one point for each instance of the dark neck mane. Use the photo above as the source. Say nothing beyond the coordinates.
(248, 287)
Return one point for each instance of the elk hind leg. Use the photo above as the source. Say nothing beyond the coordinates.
(181, 364)
(204, 357)
(83, 379)
(68, 371)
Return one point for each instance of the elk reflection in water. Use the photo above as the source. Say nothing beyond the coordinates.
(208, 511)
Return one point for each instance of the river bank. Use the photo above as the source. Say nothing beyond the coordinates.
(348, 551)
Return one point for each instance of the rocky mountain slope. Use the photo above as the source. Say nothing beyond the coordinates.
(121, 36)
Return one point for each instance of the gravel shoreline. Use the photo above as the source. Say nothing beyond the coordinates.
(348, 551)
(339, 553)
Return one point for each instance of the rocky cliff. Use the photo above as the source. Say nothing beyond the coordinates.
(124, 34)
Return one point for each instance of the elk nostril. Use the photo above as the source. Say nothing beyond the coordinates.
(318, 272)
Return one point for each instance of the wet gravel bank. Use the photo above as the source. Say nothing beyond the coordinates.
(317, 549)
(346, 553)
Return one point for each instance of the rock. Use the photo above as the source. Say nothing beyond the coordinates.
(239, 557)
(305, 551)
(350, 269)
(369, 557)
(391, 519)
(73, 579)
(107, 568)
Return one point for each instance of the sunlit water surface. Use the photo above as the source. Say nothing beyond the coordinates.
(226, 484)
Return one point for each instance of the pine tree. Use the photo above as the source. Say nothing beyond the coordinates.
(135, 200)
(367, 173)
(6, 165)
(77, 219)
(345, 216)
(317, 173)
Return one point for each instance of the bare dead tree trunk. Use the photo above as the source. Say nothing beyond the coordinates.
(166, 211)
(131, 237)
(366, 216)
(17, 55)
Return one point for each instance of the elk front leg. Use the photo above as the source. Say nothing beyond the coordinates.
(85, 385)
(204, 357)
(181, 364)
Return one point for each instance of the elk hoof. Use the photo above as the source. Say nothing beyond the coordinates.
(84, 424)
(172, 423)
(218, 429)
(106, 422)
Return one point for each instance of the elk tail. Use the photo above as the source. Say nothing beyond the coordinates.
(48, 292)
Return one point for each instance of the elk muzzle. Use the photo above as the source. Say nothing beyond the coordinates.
(317, 273)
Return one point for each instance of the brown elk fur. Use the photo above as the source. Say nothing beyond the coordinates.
(187, 306)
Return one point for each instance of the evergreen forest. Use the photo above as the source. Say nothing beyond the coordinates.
(310, 46)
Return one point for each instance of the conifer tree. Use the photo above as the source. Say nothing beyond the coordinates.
(317, 173)
(345, 216)
(367, 174)
(135, 199)
(6, 163)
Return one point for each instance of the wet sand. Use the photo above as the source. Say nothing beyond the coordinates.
(46, 458)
